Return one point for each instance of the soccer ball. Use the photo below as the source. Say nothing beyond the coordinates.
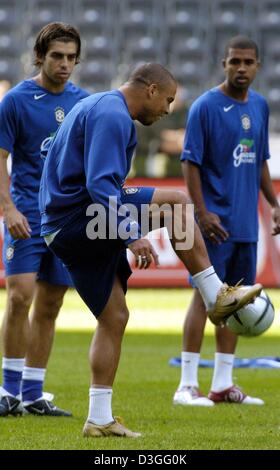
(253, 319)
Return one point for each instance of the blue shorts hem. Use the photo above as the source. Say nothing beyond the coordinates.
(55, 282)
(12, 272)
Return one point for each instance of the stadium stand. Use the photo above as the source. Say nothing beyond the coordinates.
(45, 11)
(185, 35)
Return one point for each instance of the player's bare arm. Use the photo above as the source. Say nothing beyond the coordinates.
(269, 194)
(16, 222)
(209, 223)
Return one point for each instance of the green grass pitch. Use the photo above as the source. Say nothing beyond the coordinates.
(145, 385)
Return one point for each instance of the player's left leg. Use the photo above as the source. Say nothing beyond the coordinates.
(169, 208)
(47, 303)
(195, 256)
(50, 289)
(243, 260)
(161, 210)
(220, 301)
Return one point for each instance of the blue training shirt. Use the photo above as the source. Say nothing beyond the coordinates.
(88, 161)
(30, 114)
(228, 140)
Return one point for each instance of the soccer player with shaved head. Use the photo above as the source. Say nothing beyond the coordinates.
(84, 174)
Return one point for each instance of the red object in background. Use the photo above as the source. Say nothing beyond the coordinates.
(172, 273)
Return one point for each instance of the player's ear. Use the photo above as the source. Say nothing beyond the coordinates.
(224, 63)
(39, 60)
(152, 89)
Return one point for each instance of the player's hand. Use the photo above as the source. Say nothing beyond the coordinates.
(144, 253)
(275, 214)
(211, 226)
(17, 223)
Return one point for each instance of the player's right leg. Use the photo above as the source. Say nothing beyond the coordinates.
(15, 329)
(104, 359)
(46, 305)
(99, 270)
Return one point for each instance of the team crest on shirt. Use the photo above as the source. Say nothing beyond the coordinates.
(59, 114)
(10, 253)
(246, 122)
(130, 190)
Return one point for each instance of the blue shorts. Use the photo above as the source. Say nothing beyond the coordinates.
(233, 261)
(137, 196)
(33, 256)
(94, 264)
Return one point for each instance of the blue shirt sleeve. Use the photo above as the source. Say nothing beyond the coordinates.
(9, 123)
(195, 135)
(107, 139)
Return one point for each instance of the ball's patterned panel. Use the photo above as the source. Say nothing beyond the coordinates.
(253, 319)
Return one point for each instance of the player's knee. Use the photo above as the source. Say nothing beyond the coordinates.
(116, 321)
(179, 197)
(18, 302)
(122, 318)
(182, 209)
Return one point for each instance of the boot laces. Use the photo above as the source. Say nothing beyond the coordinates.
(230, 289)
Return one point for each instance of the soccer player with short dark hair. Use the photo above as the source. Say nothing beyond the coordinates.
(84, 173)
(30, 114)
(224, 163)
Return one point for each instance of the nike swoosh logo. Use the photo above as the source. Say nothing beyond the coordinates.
(234, 302)
(10, 406)
(226, 109)
(41, 412)
(38, 97)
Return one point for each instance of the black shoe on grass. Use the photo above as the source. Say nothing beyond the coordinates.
(45, 408)
(10, 406)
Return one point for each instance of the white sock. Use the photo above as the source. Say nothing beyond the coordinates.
(189, 369)
(222, 377)
(100, 405)
(33, 373)
(13, 364)
(209, 285)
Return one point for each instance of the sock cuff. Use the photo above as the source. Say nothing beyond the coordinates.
(33, 373)
(185, 355)
(205, 272)
(224, 357)
(100, 391)
(14, 364)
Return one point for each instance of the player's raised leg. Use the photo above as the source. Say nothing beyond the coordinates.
(220, 300)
